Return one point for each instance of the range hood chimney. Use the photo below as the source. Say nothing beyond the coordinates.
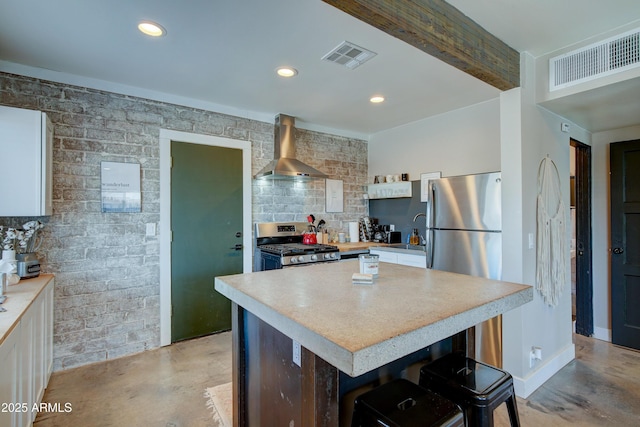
(285, 165)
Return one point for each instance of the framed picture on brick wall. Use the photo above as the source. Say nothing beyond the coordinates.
(120, 187)
(334, 195)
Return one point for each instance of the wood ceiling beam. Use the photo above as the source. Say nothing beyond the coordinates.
(444, 32)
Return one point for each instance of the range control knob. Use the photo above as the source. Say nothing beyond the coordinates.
(293, 260)
(314, 257)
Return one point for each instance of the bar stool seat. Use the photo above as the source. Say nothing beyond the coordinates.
(401, 403)
(477, 387)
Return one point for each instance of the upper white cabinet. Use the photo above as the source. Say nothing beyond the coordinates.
(26, 144)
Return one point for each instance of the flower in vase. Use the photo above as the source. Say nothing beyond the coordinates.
(8, 241)
(27, 236)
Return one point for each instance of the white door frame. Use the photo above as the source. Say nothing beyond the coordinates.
(166, 136)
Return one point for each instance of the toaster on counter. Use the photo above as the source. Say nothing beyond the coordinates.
(28, 265)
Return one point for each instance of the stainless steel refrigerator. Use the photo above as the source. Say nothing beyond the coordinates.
(464, 235)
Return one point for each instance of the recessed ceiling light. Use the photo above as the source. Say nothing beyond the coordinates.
(286, 71)
(151, 29)
(376, 99)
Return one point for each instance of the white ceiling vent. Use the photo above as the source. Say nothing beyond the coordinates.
(349, 55)
(619, 53)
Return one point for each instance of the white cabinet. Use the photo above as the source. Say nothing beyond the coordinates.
(385, 256)
(9, 379)
(389, 190)
(412, 260)
(26, 143)
(398, 257)
(26, 361)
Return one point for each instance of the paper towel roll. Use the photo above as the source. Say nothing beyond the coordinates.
(354, 232)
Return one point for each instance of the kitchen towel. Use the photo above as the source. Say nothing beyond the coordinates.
(354, 232)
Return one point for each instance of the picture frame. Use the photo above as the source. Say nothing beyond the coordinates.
(334, 195)
(120, 185)
(424, 184)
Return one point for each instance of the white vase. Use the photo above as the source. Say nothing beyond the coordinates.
(8, 255)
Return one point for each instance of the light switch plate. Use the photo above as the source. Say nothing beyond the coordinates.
(151, 229)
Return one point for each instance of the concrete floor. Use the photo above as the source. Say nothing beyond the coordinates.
(165, 388)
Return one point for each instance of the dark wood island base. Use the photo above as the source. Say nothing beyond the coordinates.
(272, 390)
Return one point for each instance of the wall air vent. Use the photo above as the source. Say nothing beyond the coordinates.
(619, 53)
(349, 55)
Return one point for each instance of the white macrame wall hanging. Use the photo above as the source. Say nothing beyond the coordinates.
(551, 240)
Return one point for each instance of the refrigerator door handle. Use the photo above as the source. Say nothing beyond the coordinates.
(429, 244)
(429, 248)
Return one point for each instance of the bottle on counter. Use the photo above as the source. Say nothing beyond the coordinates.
(414, 239)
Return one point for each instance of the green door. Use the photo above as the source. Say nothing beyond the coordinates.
(206, 223)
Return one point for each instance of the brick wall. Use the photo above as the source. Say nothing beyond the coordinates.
(107, 270)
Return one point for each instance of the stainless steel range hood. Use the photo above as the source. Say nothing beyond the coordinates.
(285, 165)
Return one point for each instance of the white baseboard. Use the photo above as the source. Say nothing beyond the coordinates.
(525, 386)
(602, 334)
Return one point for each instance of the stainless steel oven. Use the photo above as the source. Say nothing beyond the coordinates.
(279, 245)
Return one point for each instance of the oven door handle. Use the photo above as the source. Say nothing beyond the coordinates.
(237, 247)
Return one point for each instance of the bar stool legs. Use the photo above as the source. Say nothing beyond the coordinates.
(477, 387)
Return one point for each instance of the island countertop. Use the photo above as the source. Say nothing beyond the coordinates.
(357, 328)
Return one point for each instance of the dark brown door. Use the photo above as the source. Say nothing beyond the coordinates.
(584, 282)
(625, 243)
(206, 225)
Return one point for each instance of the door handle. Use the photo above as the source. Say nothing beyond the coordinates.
(237, 247)
(617, 251)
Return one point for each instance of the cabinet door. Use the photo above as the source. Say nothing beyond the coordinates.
(9, 377)
(412, 260)
(48, 332)
(27, 362)
(39, 346)
(27, 150)
(385, 256)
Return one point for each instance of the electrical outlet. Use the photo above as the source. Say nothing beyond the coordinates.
(535, 354)
(297, 353)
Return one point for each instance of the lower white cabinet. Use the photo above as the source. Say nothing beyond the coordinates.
(10, 385)
(395, 257)
(26, 362)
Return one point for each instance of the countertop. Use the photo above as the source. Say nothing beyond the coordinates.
(358, 328)
(19, 298)
(355, 246)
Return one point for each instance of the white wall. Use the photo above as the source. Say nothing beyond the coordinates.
(600, 226)
(461, 142)
(524, 145)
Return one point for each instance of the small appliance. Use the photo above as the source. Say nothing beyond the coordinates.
(28, 265)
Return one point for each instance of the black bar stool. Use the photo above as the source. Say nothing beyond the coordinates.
(477, 387)
(401, 403)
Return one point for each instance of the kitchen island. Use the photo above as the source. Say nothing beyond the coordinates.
(351, 336)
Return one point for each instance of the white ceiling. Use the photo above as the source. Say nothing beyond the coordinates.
(222, 55)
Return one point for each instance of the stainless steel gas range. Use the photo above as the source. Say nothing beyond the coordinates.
(279, 245)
